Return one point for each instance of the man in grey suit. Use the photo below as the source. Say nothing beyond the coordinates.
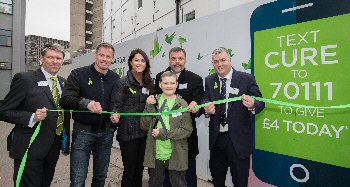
(31, 95)
(230, 127)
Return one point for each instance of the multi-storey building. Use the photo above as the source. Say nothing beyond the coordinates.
(12, 27)
(127, 19)
(33, 46)
(86, 18)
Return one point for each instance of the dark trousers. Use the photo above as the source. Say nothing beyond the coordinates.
(156, 175)
(133, 153)
(222, 156)
(39, 172)
(191, 175)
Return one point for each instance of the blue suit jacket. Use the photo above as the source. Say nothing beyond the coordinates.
(239, 118)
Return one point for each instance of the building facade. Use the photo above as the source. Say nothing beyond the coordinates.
(86, 18)
(128, 19)
(12, 27)
(34, 44)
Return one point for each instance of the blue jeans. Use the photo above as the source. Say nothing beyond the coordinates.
(83, 144)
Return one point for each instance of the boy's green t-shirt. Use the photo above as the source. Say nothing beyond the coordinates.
(163, 147)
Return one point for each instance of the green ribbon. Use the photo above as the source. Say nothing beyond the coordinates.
(24, 159)
(36, 132)
(298, 105)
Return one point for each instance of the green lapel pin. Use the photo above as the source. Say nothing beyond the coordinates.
(90, 81)
(132, 91)
(216, 85)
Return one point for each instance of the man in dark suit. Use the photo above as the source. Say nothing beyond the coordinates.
(230, 127)
(190, 88)
(30, 96)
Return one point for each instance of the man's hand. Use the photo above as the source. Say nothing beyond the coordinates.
(155, 132)
(151, 100)
(95, 107)
(210, 109)
(191, 107)
(248, 102)
(40, 114)
(115, 118)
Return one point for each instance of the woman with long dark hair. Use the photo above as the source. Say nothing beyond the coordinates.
(129, 95)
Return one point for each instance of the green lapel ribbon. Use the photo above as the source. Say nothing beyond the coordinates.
(132, 91)
(36, 132)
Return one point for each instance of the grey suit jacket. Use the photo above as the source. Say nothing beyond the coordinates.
(20, 103)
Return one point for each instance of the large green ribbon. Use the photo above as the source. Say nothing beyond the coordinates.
(36, 132)
(271, 101)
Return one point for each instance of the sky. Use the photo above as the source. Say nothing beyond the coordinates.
(48, 18)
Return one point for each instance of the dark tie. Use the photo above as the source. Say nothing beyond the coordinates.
(56, 97)
(223, 105)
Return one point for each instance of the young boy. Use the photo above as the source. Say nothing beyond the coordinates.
(167, 136)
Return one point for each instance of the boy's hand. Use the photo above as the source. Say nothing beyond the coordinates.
(155, 132)
(151, 100)
(115, 118)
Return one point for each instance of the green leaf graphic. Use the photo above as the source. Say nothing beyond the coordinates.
(199, 56)
(230, 52)
(211, 71)
(156, 48)
(169, 39)
(247, 65)
(182, 40)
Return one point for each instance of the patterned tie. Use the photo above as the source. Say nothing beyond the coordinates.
(223, 105)
(56, 97)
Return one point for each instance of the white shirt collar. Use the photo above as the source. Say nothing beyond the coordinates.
(47, 74)
(228, 76)
(177, 74)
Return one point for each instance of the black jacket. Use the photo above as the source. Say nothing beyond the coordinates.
(24, 98)
(87, 83)
(129, 96)
(190, 88)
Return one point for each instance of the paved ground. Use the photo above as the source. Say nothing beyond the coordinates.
(61, 177)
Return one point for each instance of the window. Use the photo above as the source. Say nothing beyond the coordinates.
(139, 5)
(190, 16)
(6, 6)
(5, 37)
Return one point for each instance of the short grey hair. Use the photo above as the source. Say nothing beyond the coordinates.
(55, 47)
(220, 50)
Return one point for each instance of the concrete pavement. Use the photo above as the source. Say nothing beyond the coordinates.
(61, 177)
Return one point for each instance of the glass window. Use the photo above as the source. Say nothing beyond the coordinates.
(6, 6)
(6, 1)
(190, 16)
(5, 37)
(139, 4)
